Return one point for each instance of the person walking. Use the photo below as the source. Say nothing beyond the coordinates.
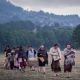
(21, 59)
(31, 58)
(55, 54)
(7, 52)
(42, 55)
(69, 59)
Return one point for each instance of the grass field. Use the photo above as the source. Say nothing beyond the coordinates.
(33, 75)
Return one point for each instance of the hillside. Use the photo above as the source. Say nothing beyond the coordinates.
(10, 12)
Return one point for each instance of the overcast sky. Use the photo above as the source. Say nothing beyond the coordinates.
(52, 6)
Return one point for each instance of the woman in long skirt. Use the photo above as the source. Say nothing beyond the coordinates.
(69, 56)
(21, 59)
(7, 52)
(16, 62)
(42, 58)
(31, 58)
(55, 54)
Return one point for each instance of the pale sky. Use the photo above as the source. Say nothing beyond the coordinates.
(60, 7)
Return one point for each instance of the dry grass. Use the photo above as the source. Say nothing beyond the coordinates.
(31, 75)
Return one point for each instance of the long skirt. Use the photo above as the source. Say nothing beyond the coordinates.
(41, 62)
(22, 62)
(11, 64)
(67, 66)
(55, 66)
(7, 63)
(16, 63)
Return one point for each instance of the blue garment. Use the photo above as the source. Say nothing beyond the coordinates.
(30, 54)
(20, 54)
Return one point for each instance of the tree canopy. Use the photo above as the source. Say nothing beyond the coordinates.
(26, 33)
(76, 37)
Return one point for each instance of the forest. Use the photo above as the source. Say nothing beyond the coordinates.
(25, 33)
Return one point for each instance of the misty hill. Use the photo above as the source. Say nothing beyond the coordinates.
(10, 12)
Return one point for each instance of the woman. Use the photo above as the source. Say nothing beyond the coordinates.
(69, 55)
(21, 59)
(12, 58)
(31, 58)
(7, 52)
(55, 54)
(42, 55)
(16, 62)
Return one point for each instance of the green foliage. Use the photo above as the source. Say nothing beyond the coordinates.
(76, 37)
(22, 33)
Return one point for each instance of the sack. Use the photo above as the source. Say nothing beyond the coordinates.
(41, 59)
(56, 58)
(70, 61)
(73, 62)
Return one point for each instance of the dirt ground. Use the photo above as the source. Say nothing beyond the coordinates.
(33, 75)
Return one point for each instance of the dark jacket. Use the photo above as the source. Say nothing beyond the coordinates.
(20, 54)
(43, 53)
(7, 51)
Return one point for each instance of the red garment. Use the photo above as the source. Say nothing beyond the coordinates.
(23, 63)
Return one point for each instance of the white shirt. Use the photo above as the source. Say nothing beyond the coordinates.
(56, 53)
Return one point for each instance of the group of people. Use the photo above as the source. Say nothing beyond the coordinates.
(19, 58)
(37, 60)
(69, 59)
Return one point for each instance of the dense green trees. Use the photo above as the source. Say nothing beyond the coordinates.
(26, 33)
(76, 37)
